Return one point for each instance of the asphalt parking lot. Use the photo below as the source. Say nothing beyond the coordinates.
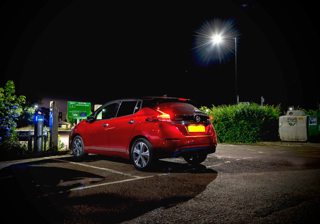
(266, 183)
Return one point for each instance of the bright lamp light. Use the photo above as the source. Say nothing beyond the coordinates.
(216, 39)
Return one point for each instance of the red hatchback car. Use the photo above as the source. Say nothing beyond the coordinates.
(146, 129)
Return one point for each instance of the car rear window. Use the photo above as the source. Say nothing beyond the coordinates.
(177, 108)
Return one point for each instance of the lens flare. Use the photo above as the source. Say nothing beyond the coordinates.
(215, 41)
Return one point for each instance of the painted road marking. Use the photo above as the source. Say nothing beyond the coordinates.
(6, 177)
(115, 182)
(219, 164)
(108, 183)
(223, 157)
(98, 168)
(15, 162)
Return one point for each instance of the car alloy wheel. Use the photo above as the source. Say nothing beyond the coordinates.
(77, 147)
(141, 154)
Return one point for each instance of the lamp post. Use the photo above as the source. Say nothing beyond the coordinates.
(214, 41)
(217, 40)
(236, 69)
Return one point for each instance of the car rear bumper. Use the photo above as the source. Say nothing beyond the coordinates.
(189, 145)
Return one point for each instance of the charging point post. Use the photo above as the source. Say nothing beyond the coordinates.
(53, 125)
(38, 132)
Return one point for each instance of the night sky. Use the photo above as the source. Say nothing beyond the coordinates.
(89, 51)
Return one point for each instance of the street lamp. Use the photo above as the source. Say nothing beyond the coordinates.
(216, 40)
(236, 69)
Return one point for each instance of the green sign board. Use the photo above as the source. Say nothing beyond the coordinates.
(78, 110)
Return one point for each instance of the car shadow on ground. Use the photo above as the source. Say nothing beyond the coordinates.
(37, 191)
(160, 166)
(27, 189)
(163, 166)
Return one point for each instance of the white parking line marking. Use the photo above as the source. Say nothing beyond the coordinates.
(99, 168)
(219, 164)
(15, 162)
(109, 183)
(116, 182)
(6, 177)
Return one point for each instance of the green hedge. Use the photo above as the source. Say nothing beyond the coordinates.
(245, 123)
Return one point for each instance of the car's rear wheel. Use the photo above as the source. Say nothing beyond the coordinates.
(142, 154)
(78, 147)
(195, 158)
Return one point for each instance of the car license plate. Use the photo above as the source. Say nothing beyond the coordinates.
(196, 128)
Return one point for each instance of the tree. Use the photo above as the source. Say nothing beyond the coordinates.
(26, 118)
(11, 107)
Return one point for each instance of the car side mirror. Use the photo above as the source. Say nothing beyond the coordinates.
(90, 119)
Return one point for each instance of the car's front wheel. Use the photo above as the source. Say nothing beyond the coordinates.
(77, 147)
(141, 154)
(195, 158)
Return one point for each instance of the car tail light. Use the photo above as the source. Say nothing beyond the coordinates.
(163, 116)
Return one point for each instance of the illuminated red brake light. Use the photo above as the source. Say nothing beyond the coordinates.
(182, 99)
(163, 116)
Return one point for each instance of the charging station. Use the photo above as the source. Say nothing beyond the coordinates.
(38, 132)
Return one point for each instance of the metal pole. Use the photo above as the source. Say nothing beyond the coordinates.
(236, 69)
(38, 133)
(53, 125)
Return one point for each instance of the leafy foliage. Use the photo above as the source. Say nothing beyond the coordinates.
(10, 109)
(243, 123)
(26, 117)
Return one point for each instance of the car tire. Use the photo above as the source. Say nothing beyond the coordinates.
(195, 158)
(142, 154)
(77, 147)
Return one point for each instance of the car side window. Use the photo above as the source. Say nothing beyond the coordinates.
(127, 108)
(108, 111)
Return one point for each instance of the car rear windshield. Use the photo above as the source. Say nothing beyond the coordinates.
(177, 108)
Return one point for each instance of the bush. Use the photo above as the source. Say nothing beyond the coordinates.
(10, 109)
(243, 123)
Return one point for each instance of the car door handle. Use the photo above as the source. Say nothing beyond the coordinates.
(131, 122)
(105, 125)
